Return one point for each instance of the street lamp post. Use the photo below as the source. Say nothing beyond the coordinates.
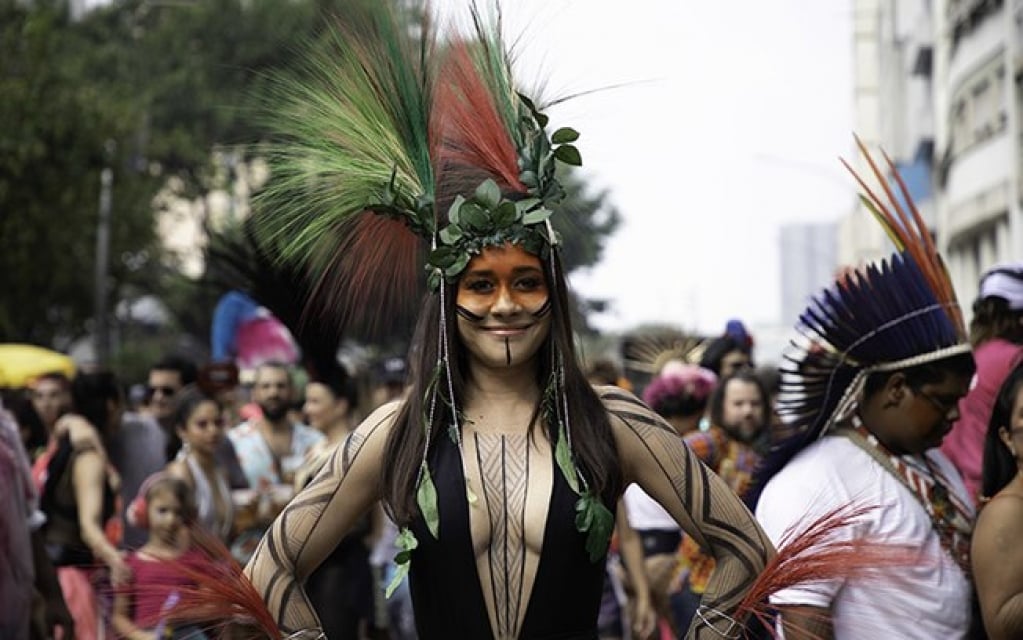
(101, 335)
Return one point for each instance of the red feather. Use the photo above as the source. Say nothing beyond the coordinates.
(372, 280)
(474, 141)
(222, 595)
(814, 554)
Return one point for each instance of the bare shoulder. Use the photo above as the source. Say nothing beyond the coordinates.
(371, 434)
(1002, 517)
(617, 400)
(380, 421)
(628, 414)
(637, 430)
(178, 469)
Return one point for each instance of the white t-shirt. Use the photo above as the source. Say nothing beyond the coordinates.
(646, 513)
(928, 600)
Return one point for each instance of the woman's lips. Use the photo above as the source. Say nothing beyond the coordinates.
(507, 332)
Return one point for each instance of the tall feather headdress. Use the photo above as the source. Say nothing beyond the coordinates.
(392, 151)
(898, 313)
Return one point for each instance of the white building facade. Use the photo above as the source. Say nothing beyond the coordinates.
(938, 86)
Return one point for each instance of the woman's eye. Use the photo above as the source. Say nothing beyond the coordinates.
(528, 284)
(479, 286)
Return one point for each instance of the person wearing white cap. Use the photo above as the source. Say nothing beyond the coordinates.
(996, 333)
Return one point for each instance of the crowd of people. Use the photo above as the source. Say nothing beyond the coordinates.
(111, 492)
(520, 493)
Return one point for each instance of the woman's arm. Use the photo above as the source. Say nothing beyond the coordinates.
(88, 477)
(313, 523)
(997, 558)
(653, 456)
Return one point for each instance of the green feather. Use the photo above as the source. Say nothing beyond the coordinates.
(355, 114)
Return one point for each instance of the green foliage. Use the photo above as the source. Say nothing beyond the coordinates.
(150, 90)
(61, 128)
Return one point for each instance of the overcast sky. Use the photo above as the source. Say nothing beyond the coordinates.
(730, 125)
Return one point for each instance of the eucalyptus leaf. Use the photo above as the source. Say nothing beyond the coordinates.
(457, 266)
(474, 217)
(443, 256)
(600, 525)
(488, 194)
(400, 572)
(450, 234)
(564, 134)
(526, 204)
(569, 155)
(505, 214)
(405, 541)
(563, 456)
(454, 209)
(536, 216)
(426, 498)
(433, 279)
(541, 119)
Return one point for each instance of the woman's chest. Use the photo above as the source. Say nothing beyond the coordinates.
(509, 481)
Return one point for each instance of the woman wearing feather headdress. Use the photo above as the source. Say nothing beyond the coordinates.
(502, 463)
(869, 394)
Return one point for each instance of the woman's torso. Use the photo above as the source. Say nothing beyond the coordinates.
(509, 562)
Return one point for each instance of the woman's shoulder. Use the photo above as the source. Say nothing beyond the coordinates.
(619, 401)
(374, 427)
(1003, 513)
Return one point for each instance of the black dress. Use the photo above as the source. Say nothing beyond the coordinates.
(446, 593)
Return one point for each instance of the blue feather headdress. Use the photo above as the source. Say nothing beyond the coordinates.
(898, 313)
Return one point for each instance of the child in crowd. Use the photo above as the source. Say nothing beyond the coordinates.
(165, 508)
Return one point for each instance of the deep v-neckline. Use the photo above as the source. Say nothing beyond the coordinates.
(465, 516)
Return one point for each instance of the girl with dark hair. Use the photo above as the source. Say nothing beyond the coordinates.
(502, 465)
(165, 508)
(199, 424)
(997, 557)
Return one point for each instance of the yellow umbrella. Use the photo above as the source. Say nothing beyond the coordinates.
(20, 363)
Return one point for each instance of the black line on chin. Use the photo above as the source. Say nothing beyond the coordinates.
(507, 350)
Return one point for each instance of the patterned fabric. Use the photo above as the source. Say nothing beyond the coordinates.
(952, 518)
(734, 462)
(258, 462)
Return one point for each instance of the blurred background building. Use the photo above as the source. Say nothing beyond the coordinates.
(938, 87)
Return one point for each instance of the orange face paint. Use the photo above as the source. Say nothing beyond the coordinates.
(505, 279)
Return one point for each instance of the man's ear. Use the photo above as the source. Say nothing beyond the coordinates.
(895, 389)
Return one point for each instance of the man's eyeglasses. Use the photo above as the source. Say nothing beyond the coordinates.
(943, 404)
(163, 390)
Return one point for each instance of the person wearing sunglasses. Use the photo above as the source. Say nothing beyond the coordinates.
(199, 422)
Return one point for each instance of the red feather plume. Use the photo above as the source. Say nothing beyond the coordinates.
(474, 141)
(221, 595)
(814, 554)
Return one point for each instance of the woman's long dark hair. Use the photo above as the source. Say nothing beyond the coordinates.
(999, 464)
(592, 440)
(93, 395)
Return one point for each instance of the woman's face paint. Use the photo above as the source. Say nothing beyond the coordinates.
(503, 306)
